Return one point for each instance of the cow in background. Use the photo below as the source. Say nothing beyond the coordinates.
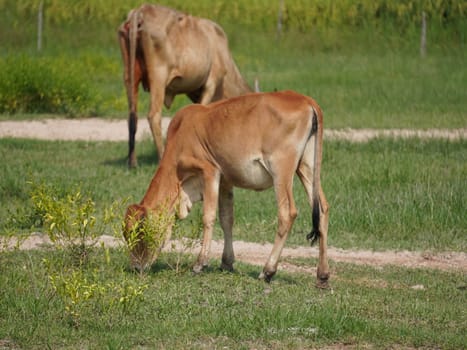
(172, 53)
(256, 141)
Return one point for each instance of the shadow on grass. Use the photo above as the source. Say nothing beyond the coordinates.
(281, 277)
(156, 267)
(144, 160)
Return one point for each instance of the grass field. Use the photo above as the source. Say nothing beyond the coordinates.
(384, 195)
(371, 308)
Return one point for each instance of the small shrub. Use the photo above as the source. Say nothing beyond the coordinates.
(70, 219)
(85, 293)
(44, 85)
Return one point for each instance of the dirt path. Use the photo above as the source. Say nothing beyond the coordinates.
(95, 129)
(256, 254)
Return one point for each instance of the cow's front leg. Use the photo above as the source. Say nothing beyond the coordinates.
(210, 196)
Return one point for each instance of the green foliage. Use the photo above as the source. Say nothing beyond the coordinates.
(38, 85)
(262, 14)
(70, 220)
(359, 58)
(154, 231)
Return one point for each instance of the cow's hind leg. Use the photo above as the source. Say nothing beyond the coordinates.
(132, 126)
(132, 118)
(157, 79)
(226, 221)
(305, 173)
(210, 90)
(287, 212)
(155, 119)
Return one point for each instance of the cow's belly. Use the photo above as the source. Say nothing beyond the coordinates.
(253, 174)
(185, 85)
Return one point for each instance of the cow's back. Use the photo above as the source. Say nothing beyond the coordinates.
(241, 134)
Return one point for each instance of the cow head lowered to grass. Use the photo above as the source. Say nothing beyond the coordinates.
(172, 53)
(254, 141)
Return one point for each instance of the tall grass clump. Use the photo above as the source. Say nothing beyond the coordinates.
(44, 85)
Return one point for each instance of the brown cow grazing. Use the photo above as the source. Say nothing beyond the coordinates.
(254, 141)
(172, 53)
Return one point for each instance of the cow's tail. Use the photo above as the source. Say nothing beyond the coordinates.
(133, 29)
(317, 132)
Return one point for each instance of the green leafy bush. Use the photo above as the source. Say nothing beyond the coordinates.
(44, 85)
(70, 219)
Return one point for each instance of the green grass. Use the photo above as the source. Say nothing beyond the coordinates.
(385, 194)
(379, 91)
(367, 307)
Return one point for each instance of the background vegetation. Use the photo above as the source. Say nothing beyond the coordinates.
(361, 60)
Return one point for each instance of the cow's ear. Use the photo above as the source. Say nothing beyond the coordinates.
(181, 18)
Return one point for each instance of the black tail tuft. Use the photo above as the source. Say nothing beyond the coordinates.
(314, 235)
(314, 125)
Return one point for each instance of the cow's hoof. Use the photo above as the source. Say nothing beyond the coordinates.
(227, 267)
(198, 268)
(266, 276)
(322, 280)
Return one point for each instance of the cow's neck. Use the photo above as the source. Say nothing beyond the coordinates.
(163, 190)
(234, 84)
